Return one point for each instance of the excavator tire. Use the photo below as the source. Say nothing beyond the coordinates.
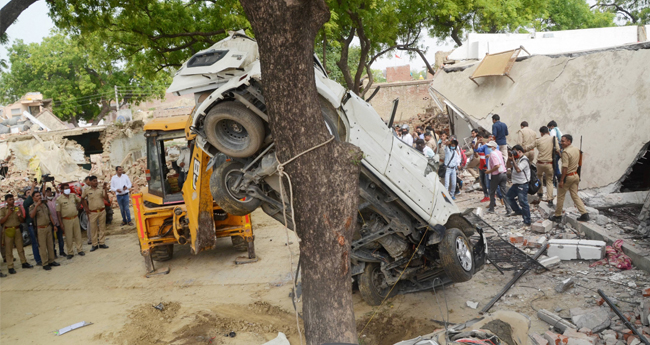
(234, 129)
(237, 205)
(162, 253)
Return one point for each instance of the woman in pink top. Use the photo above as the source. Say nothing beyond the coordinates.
(498, 177)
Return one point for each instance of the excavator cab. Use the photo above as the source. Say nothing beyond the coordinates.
(167, 213)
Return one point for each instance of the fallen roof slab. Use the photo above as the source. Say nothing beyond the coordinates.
(601, 96)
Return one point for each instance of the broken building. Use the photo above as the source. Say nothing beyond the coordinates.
(598, 96)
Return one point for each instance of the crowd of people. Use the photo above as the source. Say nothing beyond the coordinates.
(546, 156)
(51, 213)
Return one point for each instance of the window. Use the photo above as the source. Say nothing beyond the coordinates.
(207, 58)
(16, 111)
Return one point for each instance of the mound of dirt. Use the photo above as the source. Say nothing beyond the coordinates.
(147, 324)
(214, 325)
(389, 328)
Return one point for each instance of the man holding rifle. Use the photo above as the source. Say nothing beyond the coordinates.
(571, 160)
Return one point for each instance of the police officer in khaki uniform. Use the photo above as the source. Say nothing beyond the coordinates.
(544, 146)
(527, 138)
(93, 201)
(10, 217)
(67, 205)
(569, 180)
(43, 220)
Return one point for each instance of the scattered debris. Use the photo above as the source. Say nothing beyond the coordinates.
(554, 320)
(622, 317)
(160, 306)
(281, 339)
(596, 319)
(564, 285)
(514, 279)
(472, 304)
(615, 257)
(72, 327)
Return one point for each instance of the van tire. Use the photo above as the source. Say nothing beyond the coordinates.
(234, 129)
(368, 281)
(456, 256)
(222, 195)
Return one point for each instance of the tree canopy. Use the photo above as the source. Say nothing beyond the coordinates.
(151, 35)
(80, 79)
(628, 11)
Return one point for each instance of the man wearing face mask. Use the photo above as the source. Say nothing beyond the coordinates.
(67, 205)
(57, 232)
(452, 161)
(43, 220)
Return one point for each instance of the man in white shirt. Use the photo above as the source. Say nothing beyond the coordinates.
(183, 162)
(407, 138)
(120, 185)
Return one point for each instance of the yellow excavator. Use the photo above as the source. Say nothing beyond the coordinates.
(167, 213)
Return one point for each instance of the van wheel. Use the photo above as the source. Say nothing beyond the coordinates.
(234, 129)
(162, 253)
(221, 181)
(239, 243)
(373, 286)
(456, 256)
(83, 220)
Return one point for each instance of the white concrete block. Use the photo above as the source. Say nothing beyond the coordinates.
(550, 262)
(542, 227)
(576, 249)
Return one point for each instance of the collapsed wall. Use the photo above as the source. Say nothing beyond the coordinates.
(599, 96)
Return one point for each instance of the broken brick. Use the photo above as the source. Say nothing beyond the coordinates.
(539, 340)
(646, 292)
(516, 239)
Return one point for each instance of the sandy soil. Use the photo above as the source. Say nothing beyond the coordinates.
(207, 296)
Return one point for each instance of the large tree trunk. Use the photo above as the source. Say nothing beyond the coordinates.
(325, 181)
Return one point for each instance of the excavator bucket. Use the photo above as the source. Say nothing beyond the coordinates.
(199, 203)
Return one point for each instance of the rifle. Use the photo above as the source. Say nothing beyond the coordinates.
(580, 160)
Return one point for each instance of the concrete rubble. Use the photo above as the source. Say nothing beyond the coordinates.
(29, 156)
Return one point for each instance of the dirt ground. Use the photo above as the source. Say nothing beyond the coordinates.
(206, 297)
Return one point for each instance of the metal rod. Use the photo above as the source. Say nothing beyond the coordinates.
(392, 115)
(622, 317)
(514, 279)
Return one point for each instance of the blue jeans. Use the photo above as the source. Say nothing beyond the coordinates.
(32, 237)
(450, 179)
(59, 237)
(520, 192)
(123, 202)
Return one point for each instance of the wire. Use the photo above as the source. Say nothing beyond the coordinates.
(539, 290)
(446, 320)
(397, 281)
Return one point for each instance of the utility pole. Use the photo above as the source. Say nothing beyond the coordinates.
(117, 102)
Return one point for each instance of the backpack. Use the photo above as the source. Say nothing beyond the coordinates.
(533, 182)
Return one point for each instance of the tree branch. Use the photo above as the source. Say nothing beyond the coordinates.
(185, 34)
(619, 9)
(11, 11)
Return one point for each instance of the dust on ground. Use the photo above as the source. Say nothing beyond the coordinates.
(207, 295)
(387, 327)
